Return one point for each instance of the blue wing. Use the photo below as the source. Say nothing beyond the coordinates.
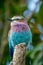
(11, 45)
(29, 45)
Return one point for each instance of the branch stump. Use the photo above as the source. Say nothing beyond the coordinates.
(19, 55)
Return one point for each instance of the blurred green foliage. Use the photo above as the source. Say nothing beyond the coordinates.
(14, 8)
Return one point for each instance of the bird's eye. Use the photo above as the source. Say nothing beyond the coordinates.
(18, 19)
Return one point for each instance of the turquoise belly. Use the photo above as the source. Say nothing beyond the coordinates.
(19, 37)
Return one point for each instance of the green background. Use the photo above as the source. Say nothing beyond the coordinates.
(17, 7)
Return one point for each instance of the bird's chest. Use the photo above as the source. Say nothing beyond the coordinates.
(19, 27)
(19, 33)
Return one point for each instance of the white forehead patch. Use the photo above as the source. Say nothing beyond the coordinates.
(16, 21)
(17, 17)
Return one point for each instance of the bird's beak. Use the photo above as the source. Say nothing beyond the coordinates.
(9, 19)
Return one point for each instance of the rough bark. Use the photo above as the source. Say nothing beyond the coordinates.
(19, 55)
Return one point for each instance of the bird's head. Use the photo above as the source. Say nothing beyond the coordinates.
(16, 19)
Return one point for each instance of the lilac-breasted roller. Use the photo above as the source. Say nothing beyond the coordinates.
(19, 33)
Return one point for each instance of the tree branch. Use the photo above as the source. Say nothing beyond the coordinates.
(19, 55)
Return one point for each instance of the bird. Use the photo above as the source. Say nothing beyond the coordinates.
(19, 33)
